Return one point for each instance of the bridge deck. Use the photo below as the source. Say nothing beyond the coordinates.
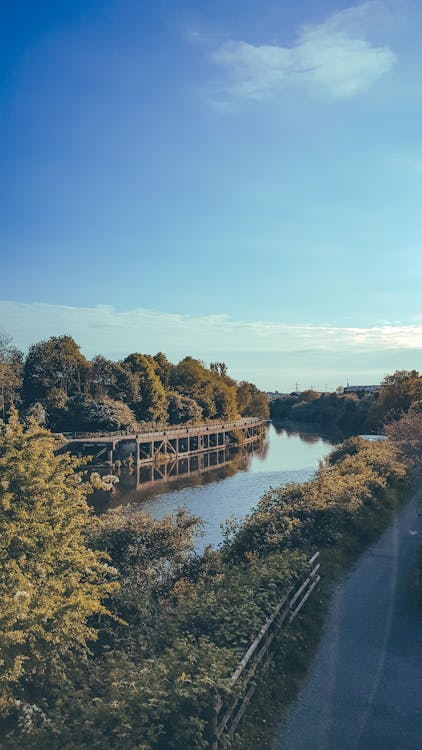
(149, 445)
(168, 431)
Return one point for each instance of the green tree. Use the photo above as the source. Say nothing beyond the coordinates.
(10, 374)
(50, 582)
(182, 409)
(56, 363)
(163, 368)
(225, 401)
(101, 414)
(398, 392)
(251, 401)
(151, 402)
(220, 368)
(108, 378)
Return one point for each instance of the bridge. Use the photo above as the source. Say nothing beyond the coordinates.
(151, 446)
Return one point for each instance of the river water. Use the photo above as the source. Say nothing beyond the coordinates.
(231, 487)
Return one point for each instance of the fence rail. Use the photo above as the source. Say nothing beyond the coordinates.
(160, 428)
(226, 715)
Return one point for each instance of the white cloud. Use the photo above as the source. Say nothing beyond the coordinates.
(267, 352)
(334, 59)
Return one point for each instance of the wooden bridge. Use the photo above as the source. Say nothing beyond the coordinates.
(165, 443)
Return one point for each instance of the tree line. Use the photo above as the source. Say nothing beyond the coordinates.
(352, 413)
(65, 391)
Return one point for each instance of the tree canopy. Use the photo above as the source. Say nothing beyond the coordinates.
(51, 583)
(65, 391)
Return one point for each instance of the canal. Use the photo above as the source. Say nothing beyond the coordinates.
(232, 483)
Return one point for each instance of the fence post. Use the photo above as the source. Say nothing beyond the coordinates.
(212, 722)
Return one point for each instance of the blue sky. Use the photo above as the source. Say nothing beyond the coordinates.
(235, 180)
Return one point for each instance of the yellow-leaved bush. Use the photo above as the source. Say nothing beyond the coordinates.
(51, 582)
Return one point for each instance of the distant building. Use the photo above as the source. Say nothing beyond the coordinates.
(361, 390)
(272, 395)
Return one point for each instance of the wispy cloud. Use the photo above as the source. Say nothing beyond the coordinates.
(335, 59)
(261, 350)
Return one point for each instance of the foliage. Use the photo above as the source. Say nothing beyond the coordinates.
(406, 433)
(345, 412)
(150, 556)
(182, 409)
(399, 391)
(10, 374)
(111, 379)
(70, 393)
(163, 368)
(56, 363)
(219, 367)
(185, 620)
(308, 395)
(296, 516)
(151, 401)
(251, 401)
(101, 414)
(349, 412)
(50, 582)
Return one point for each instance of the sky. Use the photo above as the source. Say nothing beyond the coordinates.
(234, 180)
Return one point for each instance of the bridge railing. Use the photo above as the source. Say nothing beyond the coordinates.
(157, 427)
(226, 715)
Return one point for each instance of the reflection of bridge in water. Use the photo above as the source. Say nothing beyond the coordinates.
(139, 481)
(168, 444)
(194, 465)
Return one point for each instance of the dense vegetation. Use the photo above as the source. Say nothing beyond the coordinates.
(65, 391)
(114, 633)
(352, 413)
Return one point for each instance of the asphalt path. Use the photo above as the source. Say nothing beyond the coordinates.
(364, 688)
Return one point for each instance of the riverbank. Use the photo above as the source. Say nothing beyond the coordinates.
(363, 688)
(182, 621)
(281, 687)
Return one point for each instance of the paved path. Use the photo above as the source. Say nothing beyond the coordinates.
(364, 687)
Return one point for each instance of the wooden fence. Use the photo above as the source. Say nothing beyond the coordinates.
(226, 715)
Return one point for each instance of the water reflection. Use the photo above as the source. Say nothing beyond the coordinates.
(137, 482)
(230, 485)
(309, 433)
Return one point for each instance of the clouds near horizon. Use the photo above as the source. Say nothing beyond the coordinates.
(270, 352)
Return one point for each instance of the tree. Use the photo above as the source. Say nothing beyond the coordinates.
(101, 414)
(225, 401)
(50, 582)
(10, 374)
(251, 401)
(398, 392)
(56, 363)
(108, 378)
(406, 433)
(163, 368)
(151, 400)
(308, 395)
(220, 368)
(207, 387)
(182, 409)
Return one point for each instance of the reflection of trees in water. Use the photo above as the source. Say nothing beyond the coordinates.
(220, 465)
(308, 433)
